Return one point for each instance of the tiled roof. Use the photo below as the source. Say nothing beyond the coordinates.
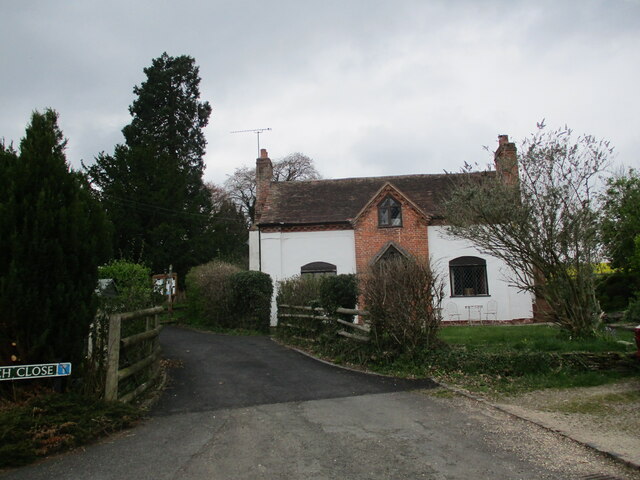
(335, 201)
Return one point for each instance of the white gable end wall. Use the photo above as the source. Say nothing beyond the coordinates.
(512, 304)
(254, 250)
(282, 254)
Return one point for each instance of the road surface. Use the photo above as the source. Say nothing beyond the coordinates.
(248, 408)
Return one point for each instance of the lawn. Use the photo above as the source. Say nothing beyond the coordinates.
(515, 358)
(537, 338)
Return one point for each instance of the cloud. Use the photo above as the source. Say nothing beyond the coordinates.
(364, 87)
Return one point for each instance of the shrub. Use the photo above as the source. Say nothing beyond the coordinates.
(209, 293)
(221, 295)
(133, 281)
(615, 290)
(250, 303)
(50, 423)
(632, 315)
(328, 292)
(299, 291)
(338, 291)
(403, 297)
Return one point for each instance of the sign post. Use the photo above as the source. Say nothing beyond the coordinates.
(24, 372)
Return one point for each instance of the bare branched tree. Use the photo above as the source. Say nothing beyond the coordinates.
(295, 166)
(543, 224)
(241, 186)
(219, 195)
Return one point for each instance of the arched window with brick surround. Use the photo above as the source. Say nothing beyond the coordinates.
(468, 277)
(389, 213)
(390, 251)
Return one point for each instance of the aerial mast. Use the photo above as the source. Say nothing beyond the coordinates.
(257, 131)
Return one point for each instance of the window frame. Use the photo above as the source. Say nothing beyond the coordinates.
(318, 269)
(475, 269)
(385, 210)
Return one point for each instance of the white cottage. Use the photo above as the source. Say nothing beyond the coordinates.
(341, 226)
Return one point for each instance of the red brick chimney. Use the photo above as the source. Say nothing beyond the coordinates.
(506, 160)
(264, 174)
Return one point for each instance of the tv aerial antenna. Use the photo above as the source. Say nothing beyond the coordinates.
(257, 131)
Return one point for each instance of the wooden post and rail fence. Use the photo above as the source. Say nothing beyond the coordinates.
(116, 346)
(302, 319)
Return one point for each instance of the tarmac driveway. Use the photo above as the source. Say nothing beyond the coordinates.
(217, 371)
(247, 408)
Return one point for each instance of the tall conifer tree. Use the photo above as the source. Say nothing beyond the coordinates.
(54, 236)
(152, 186)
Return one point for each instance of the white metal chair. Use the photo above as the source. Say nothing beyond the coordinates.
(492, 309)
(452, 311)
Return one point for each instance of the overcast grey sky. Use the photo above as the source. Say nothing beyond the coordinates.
(364, 87)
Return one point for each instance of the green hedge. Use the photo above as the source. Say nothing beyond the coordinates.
(328, 292)
(133, 282)
(208, 294)
(251, 300)
(220, 295)
(526, 363)
(338, 291)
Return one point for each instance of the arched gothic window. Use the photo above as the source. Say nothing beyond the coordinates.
(391, 253)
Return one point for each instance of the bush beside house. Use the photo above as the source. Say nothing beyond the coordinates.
(220, 295)
(251, 300)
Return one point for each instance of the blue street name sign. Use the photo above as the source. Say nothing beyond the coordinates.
(23, 372)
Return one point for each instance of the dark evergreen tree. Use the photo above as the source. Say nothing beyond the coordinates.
(231, 234)
(621, 221)
(152, 186)
(167, 114)
(54, 236)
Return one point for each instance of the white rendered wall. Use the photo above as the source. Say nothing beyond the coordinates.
(254, 250)
(512, 304)
(282, 254)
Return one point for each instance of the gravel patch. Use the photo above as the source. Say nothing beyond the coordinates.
(540, 443)
(606, 417)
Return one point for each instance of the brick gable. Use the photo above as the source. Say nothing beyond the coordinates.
(371, 239)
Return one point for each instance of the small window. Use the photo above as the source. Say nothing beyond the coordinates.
(389, 213)
(468, 277)
(317, 269)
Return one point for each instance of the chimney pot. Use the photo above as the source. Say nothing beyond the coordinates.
(506, 160)
(264, 174)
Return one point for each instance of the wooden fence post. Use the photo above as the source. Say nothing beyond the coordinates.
(113, 358)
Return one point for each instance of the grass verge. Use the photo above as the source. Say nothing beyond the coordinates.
(496, 360)
(532, 338)
(53, 423)
(599, 405)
